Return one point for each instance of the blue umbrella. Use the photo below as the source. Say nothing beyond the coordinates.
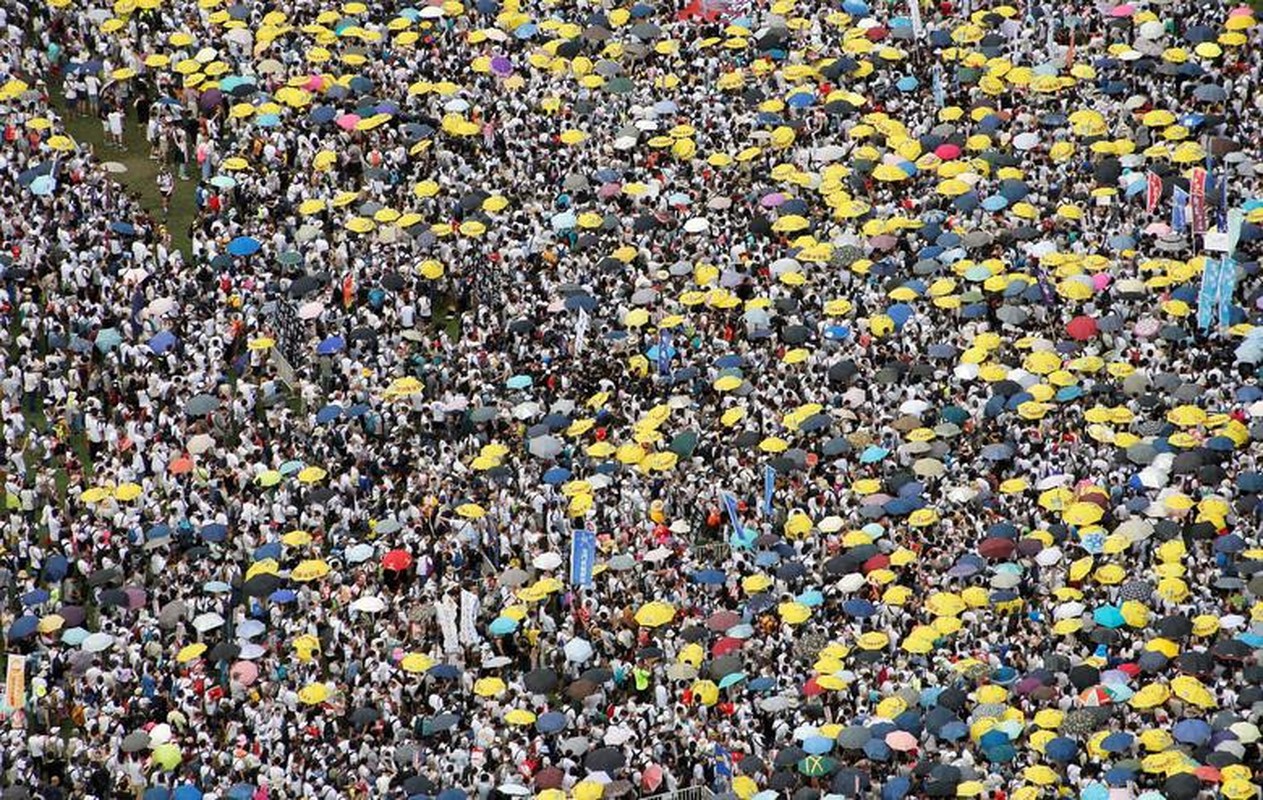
(907, 83)
(872, 454)
(123, 228)
(709, 577)
(817, 745)
(1191, 731)
(331, 345)
(503, 626)
(811, 598)
(187, 791)
(550, 722)
(55, 568)
(1061, 749)
(452, 794)
(34, 597)
(556, 476)
(732, 679)
(1118, 742)
(162, 342)
(283, 596)
(23, 627)
(107, 339)
(896, 788)
(857, 607)
(216, 587)
(43, 186)
(877, 749)
(157, 793)
(761, 684)
(243, 246)
(1109, 617)
(1095, 791)
(265, 551)
(214, 532)
(519, 382)
(328, 414)
(242, 791)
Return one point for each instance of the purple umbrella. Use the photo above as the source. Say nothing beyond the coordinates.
(772, 200)
(210, 98)
(501, 65)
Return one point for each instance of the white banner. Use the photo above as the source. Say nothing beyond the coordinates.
(469, 607)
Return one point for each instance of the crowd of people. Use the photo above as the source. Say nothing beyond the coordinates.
(765, 398)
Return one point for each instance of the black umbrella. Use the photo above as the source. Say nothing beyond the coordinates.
(363, 717)
(605, 759)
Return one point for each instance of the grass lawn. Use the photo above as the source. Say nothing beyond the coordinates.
(142, 171)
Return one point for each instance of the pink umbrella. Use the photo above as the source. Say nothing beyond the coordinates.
(651, 778)
(314, 84)
(901, 741)
(1147, 328)
(1241, 11)
(947, 152)
(347, 122)
(1101, 280)
(1158, 229)
(609, 190)
(772, 200)
(1125, 10)
(244, 672)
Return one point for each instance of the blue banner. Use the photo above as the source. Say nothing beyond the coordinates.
(582, 558)
(1179, 209)
(769, 488)
(1227, 286)
(664, 351)
(1221, 216)
(734, 516)
(1208, 294)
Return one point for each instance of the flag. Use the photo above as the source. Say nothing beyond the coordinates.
(1227, 286)
(1154, 188)
(1197, 188)
(769, 487)
(1207, 295)
(723, 761)
(582, 557)
(1179, 209)
(348, 290)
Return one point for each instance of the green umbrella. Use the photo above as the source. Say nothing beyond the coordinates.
(815, 766)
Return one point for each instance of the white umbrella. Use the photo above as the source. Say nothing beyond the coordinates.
(851, 582)
(1026, 141)
(696, 225)
(1048, 556)
(250, 651)
(369, 604)
(207, 622)
(250, 629)
(160, 306)
(311, 310)
(513, 790)
(547, 561)
(657, 554)
(578, 650)
(97, 642)
(200, 443)
(618, 735)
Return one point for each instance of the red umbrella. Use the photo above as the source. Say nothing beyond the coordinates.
(726, 645)
(1081, 328)
(397, 560)
(651, 778)
(947, 152)
(879, 561)
(996, 547)
(549, 778)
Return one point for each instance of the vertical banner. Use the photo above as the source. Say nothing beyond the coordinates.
(734, 516)
(1227, 286)
(1197, 190)
(14, 684)
(1153, 191)
(769, 488)
(940, 95)
(469, 609)
(1236, 218)
(1179, 209)
(664, 351)
(914, 12)
(1207, 294)
(582, 558)
(581, 331)
(1221, 209)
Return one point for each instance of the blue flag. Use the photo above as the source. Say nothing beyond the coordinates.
(1227, 286)
(769, 487)
(1221, 216)
(723, 761)
(582, 557)
(1179, 209)
(1208, 294)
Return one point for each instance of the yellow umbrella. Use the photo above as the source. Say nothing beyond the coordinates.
(873, 640)
(489, 687)
(313, 694)
(416, 663)
(1081, 514)
(1040, 775)
(127, 492)
(311, 474)
(1190, 689)
(296, 538)
(655, 614)
(190, 652)
(310, 570)
(707, 692)
(793, 613)
(727, 383)
(1151, 696)
(520, 717)
(471, 511)
(587, 790)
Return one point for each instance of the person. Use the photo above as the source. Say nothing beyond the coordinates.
(166, 187)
